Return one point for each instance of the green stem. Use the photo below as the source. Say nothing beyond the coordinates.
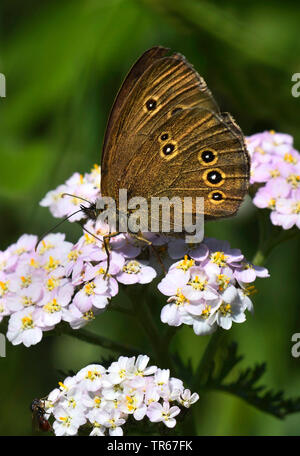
(95, 339)
(267, 245)
(207, 359)
(142, 302)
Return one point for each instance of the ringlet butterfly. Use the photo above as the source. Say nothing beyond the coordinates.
(167, 137)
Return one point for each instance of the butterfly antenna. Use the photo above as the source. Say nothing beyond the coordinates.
(75, 196)
(54, 227)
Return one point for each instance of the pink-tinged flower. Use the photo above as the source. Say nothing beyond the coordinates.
(200, 286)
(231, 309)
(221, 254)
(77, 185)
(106, 398)
(141, 371)
(121, 370)
(126, 245)
(92, 294)
(248, 272)
(91, 376)
(135, 271)
(173, 312)
(289, 210)
(77, 259)
(67, 423)
(178, 248)
(76, 318)
(173, 282)
(203, 323)
(187, 398)
(111, 420)
(24, 298)
(161, 380)
(133, 404)
(23, 329)
(280, 168)
(4, 309)
(53, 304)
(157, 412)
(267, 196)
(25, 244)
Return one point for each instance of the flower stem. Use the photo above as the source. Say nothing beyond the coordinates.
(95, 339)
(207, 359)
(142, 302)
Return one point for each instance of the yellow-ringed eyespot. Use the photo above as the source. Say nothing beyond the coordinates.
(150, 104)
(216, 197)
(214, 177)
(163, 137)
(208, 157)
(168, 150)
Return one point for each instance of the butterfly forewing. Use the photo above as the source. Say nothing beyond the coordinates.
(169, 139)
(155, 89)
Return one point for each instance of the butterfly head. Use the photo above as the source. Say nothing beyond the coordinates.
(91, 212)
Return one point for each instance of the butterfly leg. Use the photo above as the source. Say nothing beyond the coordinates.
(143, 239)
(106, 239)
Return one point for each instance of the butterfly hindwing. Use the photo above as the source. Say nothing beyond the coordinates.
(195, 153)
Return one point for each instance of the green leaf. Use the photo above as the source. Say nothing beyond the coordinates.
(246, 387)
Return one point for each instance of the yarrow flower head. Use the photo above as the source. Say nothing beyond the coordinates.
(43, 285)
(211, 291)
(275, 169)
(103, 399)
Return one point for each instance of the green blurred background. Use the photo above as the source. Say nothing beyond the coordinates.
(64, 62)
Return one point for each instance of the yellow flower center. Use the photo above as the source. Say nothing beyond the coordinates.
(89, 288)
(97, 401)
(89, 239)
(3, 287)
(52, 283)
(219, 258)
(290, 159)
(20, 251)
(180, 298)
(225, 308)
(186, 263)
(275, 173)
(272, 203)
(293, 180)
(296, 208)
(33, 263)
(66, 420)
(74, 255)
(26, 281)
(93, 375)
(131, 403)
(206, 312)
(89, 315)
(26, 301)
(52, 264)
(198, 284)
(132, 267)
(249, 290)
(27, 322)
(52, 306)
(223, 282)
(44, 247)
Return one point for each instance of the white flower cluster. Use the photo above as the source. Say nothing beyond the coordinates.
(103, 399)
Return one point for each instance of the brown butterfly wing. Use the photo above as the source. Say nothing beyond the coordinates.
(208, 158)
(155, 89)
